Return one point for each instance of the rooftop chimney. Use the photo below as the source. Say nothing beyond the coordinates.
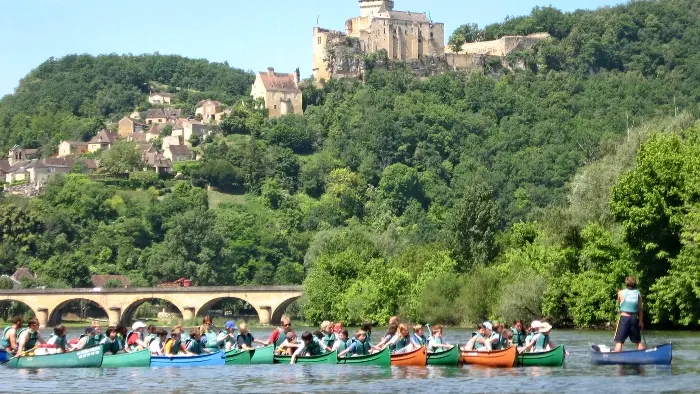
(270, 71)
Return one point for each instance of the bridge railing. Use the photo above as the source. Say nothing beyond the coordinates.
(157, 290)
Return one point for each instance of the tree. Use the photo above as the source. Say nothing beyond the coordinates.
(463, 34)
(399, 185)
(121, 158)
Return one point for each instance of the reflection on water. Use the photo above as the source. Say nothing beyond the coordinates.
(578, 376)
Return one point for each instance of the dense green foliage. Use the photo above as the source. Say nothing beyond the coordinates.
(460, 197)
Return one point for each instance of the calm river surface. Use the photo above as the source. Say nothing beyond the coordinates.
(577, 376)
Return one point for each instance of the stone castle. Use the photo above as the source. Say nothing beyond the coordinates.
(404, 36)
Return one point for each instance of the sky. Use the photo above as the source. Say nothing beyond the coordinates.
(251, 35)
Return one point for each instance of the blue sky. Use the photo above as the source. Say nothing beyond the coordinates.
(251, 35)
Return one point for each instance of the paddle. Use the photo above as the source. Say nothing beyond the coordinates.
(19, 355)
(644, 339)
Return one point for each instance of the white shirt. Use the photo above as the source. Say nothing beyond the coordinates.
(156, 346)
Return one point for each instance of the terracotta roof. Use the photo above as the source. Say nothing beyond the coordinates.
(276, 82)
(158, 160)
(91, 164)
(103, 137)
(101, 280)
(179, 150)
(137, 137)
(23, 272)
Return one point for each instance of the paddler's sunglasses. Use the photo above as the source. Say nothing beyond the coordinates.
(287, 325)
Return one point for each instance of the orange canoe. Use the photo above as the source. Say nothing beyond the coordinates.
(416, 358)
(495, 358)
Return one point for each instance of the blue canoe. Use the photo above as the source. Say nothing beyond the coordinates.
(660, 355)
(4, 356)
(204, 360)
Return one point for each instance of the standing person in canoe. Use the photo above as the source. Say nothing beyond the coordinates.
(29, 337)
(518, 332)
(112, 343)
(135, 337)
(436, 344)
(309, 347)
(87, 340)
(227, 340)
(209, 336)
(157, 345)
(631, 321)
(360, 346)
(279, 335)
(418, 338)
(245, 339)
(9, 335)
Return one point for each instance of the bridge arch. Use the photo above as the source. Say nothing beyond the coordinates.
(205, 309)
(129, 308)
(279, 311)
(10, 308)
(55, 315)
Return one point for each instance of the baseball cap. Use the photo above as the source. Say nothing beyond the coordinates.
(230, 325)
(137, 325)
(488, 325)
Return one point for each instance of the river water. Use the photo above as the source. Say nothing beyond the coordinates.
(577, 376)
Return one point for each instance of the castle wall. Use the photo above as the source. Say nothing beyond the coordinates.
(501, 47)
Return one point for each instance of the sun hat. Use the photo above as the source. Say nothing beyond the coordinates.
(488, 325)
(137, 325)
(230, 325)
(545, 327)
(536, 324)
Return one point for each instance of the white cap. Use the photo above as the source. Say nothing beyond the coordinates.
(137, 325)
(488, 325)
(536, 324)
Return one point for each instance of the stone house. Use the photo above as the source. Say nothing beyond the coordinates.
(184, 128)
(36, 172)
(71, 148)
(158, 162)
(136, 137)
(177, 153)
(102, 140)
(17, 154)
(280, 91)
(159, 98)
(208, 110)
(128, 126)
(162, 115)
(170, 140)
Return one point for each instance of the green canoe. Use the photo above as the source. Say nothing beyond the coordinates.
(552, 358)
(328, 358)
(238, 357)
(447, 357)
(263, 355)
(85, 358)
(382, 358)
(127, 360)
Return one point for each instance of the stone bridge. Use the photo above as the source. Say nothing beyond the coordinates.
(120, 304)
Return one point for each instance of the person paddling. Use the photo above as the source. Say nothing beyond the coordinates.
(156, 346)
(112, 343)
(360, 346)
(87, 340)
(210, 338)
(436, 343)
(9, 335)
(279, 335)
(631, 321)
(135, 337)
(227, 341)
(29, 337)
(245, 339)
(518, 333)
(310, 347)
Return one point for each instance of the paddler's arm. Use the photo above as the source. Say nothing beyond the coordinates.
(297, 353)
(348, 350)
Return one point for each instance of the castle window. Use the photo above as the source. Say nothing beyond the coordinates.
(319, 40)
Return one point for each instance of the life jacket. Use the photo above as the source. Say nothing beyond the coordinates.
(529, 337)
(361, 348)
(630, 301)
(172, 347)
(128, 335)
(313, 348)
(31, 339)
(4, 342)
(112, 346)
(60, 342)
(436, 341)
(90, 342)
(193, 346)
(210, 341)
(281, 338)
(401, 343)
(247, 339)
(542, 342)
(98, 338)
(477, 344)
(518, 337)
(329, 339)
(420, 340)
(342, 345)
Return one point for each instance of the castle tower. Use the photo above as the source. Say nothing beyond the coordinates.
(371, 7)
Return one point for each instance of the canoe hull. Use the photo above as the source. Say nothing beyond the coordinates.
(495, 358)
(448, 357)
(660, 355)
(328, 358)
(552, 358)
(263, 355)
(86, 358)
(127, 360)
(205, 360)
(382, 359)
(4, 356)
(238, 357)
(416, 358)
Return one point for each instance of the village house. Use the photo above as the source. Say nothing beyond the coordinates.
(177, 153)
(160, 163)
(71, 148)
(280, 91)
(208, 109)
(18, 154)
(159, 98)
(103, 140)
(128, 126)
(170, 140)
(12, 168)
(184, 128)
(36, 172)
(136, 137)
(162, 115)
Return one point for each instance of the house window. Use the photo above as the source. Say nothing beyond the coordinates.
(275, 106)
(319, 40)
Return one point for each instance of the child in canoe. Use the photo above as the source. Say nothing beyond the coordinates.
(87, 340)
(174, 345)
(403, 342)
(328, 339)
(289, 345)
(112, 343)
(360, 346)
(342, 343)
(390, 337)
(58, 339)
(157, 345)
(309, 347)
(193, 345)
(436, 343)
(227, 340)
(245, 339)
(418, 338)
(480, 340)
